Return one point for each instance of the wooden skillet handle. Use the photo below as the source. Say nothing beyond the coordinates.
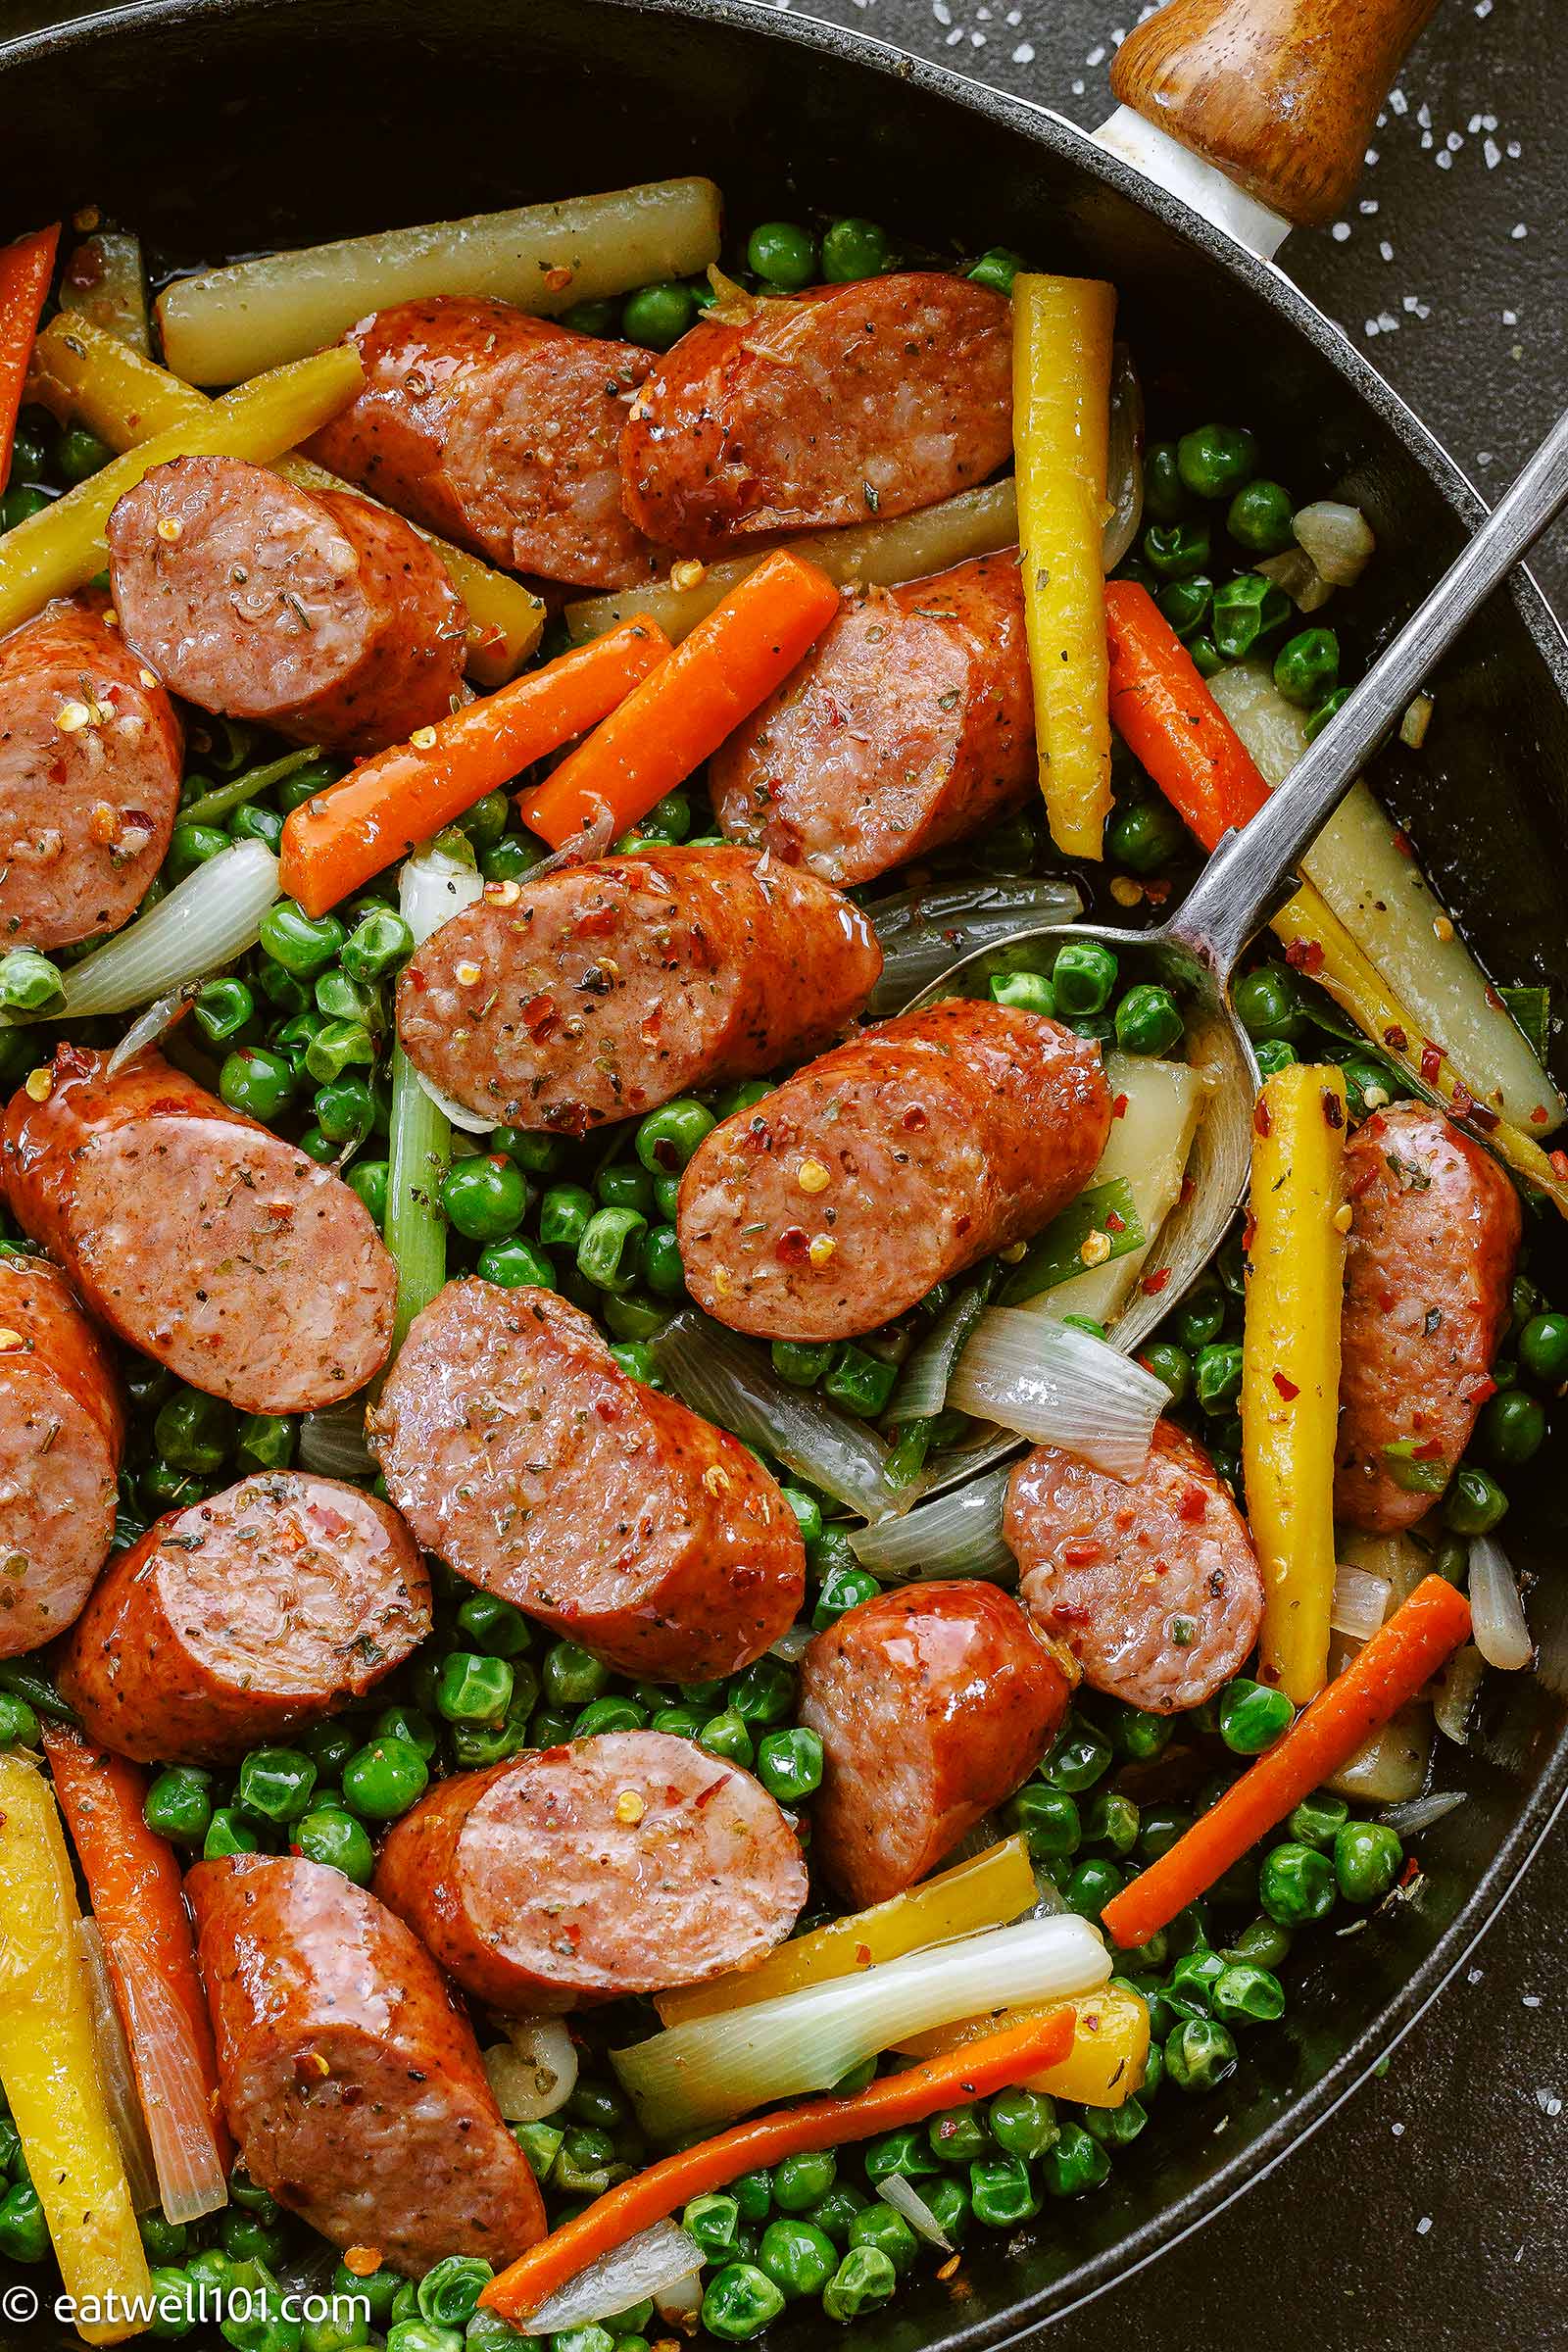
(1279, 95)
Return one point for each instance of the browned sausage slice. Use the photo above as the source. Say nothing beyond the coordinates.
(200, 1236)
(326, 618)
(499, 430)
(244, 1617)
(908, 725)
(895, 1162)
(352, 2084)
(62, 1433)
(89, 779)
(932, 1705)
(1428, 1270)
(1151, 1583)
(838, 404)
(622, 1864)
(518, 1449)
(606, 989)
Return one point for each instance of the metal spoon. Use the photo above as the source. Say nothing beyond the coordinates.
(1196, 953)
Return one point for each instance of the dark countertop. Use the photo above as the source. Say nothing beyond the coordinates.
(1431, 2209)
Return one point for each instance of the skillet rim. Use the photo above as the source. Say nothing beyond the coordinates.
(1546, 1800)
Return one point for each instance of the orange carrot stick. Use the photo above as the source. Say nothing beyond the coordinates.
(729, 663)
(1382, 1677)
(26, 269)
(954, 2079)
(1169, 721)
(134, 1881)
(336, 841)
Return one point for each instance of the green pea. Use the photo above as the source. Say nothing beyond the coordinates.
(1308, 666)
(1024, 2123)
(1544, 1347)
(338, 998)
(228, 1832)
(515, 1264)
(1318, 1819)
(471, 1688)
(486, 1197)
(1367, 1860)
(1329, 708)
(726, 1735)
(23, 2231)
(1264, 1943)
(303, 944)
(1273, 1055)
(245, 2239)
(328, 1834)
(1475, 1503)
(1047, 1819)
(1165, 494)
(1002, 2191)
(609, 1715)
(1251, 1716)
(607, 1252)
(369, 1178)
(798, 2257)
(764, 1693)
(859, 1381)
(714, 2220)
(345, 1110)
(571, 1677)
(782, 252)
(1174, 1366)
(1268, 1003)
(1218, 1376)
(1215, 459)
(1259, 518)
(1208, 659)
(418, 2335)
(79, 453)
(1145, 836)
(905, 2152)
(510, 859)
(172, 2297)
(668, 1136)
(807, 1515)
(740, 2301)
(195, 1432)
(1176, 551)
(658, 316)
(600, 317)
(449, 2294)
(538, 1154)
(223, 1008)
(20, 504)
(564, 1215)
(789, 1764)
(276, 1783)
(753, 2194)
(1117, 2126)
(634, 1358)
(1245, 609)
(1084, 977)
(800, 1362)
(1186, 603)
(494, 1624)
(191, 845)
(1148, 1021)
(19, 1722)
(178, 1805)
(1079, 1758)
(384, 1778)
(1199, 2054)
(335, 1047)
(1113, 1820)
(379, 943)
(997, 268)
(1295, 1884)
(1243, 1995)
(864, 2279)
(330, 1746)
(842, 1588)
(29, 448)
(1512, 1429)
(1026, 992)
(1092, 1885)
(833, 2212)
(256, 1081)
(853, 249)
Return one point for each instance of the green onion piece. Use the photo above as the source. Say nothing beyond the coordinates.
(1531, 1009)
(224, 799)
(1416, 1476)
(1056, 1255)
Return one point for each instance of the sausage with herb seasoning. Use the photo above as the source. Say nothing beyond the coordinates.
(62, 1434)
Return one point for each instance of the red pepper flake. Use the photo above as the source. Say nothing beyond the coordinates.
(1362, 1183)
(1286, 1388)
(540, 1016)
(1118, 1110)
(1262, 1122)
(1538, 1117)
(1081, 1554)
(607, 1408)
(1249, 1232)
(1495, 1001)
(1431, 1062)
(1411, 1870)
(793, 1246)
(1304, 954)
(1157, 1282)
(1189, 1188)
(1483, 1389)
(1558, 1160)
(1396, 1038)
(1114, 1223)
(597, 922)
(915, 1118)
(1430, 1450)
(704, 1796)
(1401, 842)
(1192, 1507)
(1333, 1107)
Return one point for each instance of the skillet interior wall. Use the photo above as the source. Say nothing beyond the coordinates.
(231, 128)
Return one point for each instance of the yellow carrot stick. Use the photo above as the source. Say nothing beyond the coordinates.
(48, 2061)
(1109, 2045)
(1062, 359)
(1290, 1364)
(81, 371)
(61, 548)
(1328, 956)
(992, 1891)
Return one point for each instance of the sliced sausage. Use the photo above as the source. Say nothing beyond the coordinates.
(1428, 1269)
(203, 1239)
(1151, 1583)
(323, 617)
(840, 1198)
(244, 1617)
(932, 1705)
(62, 1434)
(908, 725)
(834, 406)
(89, 779)
(519, 1451)
(622, 1864)
(500, 430)
(351, 2080)
(607, 987)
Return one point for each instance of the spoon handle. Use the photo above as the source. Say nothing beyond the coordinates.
(1234, 892)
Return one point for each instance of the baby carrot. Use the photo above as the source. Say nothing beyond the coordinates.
(26, 269)
(1169, 721)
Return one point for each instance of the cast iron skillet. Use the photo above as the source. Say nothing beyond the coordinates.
(222, 125)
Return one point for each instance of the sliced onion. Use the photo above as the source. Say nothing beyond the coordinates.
(1338, 538)
(116, 2075)
(533, 2071)
(1059, 1385)
(1273, 730)
(176, 2095)
(1124, 457)
(332, 1441)
(1420, 1812)
(1361, 1601)
(1496, 1612)
(681, 2302)
(1296, 572)
(1456, 1688)
(149, 1026)
(958, 1533)
(732, 1382)
(648, 2264)
(439, 881)
(906, 2198)
(921, 931)
(214, 916)
(922, 1389)
(1416, 720)
(792, 1644)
